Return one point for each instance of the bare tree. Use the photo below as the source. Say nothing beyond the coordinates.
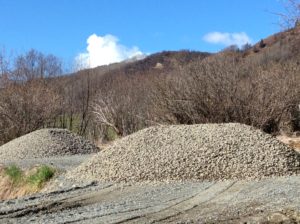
(105, 113)
(4, 68)
(28, 101)
(223, 89)
(35, 64)
(291, 15)
(26, 107)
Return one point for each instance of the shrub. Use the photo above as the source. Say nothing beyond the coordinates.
(222, 89)
(42, 175)
(262, 44)
(14, 173)
(111, 134)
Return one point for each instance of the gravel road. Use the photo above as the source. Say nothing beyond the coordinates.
(269, 200)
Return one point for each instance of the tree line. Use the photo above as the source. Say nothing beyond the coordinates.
(258, 87)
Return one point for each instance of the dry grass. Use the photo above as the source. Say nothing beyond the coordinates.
(28, 182)
(293, 142)
(9, 190)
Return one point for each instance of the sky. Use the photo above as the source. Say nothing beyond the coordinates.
(97, 32)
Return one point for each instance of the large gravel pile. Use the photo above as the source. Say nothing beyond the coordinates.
(195, 152)
(46, 143)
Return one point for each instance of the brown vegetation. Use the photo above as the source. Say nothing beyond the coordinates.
(261, 90)
(222, 89)
(255, 87)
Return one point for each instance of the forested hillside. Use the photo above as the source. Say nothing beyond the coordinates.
(257, 85)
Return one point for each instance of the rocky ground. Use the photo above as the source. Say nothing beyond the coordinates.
(271, 200)
(262, 184)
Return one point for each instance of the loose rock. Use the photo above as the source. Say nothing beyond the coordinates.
(46, 143)
(191, 152)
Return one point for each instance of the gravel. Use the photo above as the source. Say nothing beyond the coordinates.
(61, 163)
(270, 200)
(46, 143)
(191, 152)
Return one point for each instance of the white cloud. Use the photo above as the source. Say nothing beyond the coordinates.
(104, 50)
(227, 39)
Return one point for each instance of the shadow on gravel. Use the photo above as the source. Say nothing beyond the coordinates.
(223, 202)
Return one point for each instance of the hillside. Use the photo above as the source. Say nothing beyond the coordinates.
(257, 86)
(279, 46)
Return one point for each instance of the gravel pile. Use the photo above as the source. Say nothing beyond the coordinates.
(46, 143)
(191, 152)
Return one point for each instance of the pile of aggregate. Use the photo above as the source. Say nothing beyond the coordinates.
(191, 152)
(46, 143)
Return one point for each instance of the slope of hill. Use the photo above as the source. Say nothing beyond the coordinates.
(257, 86)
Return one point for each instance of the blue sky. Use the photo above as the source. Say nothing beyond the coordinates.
(131, 27)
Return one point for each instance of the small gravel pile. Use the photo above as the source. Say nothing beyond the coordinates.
(191, 152)
(46, 143)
